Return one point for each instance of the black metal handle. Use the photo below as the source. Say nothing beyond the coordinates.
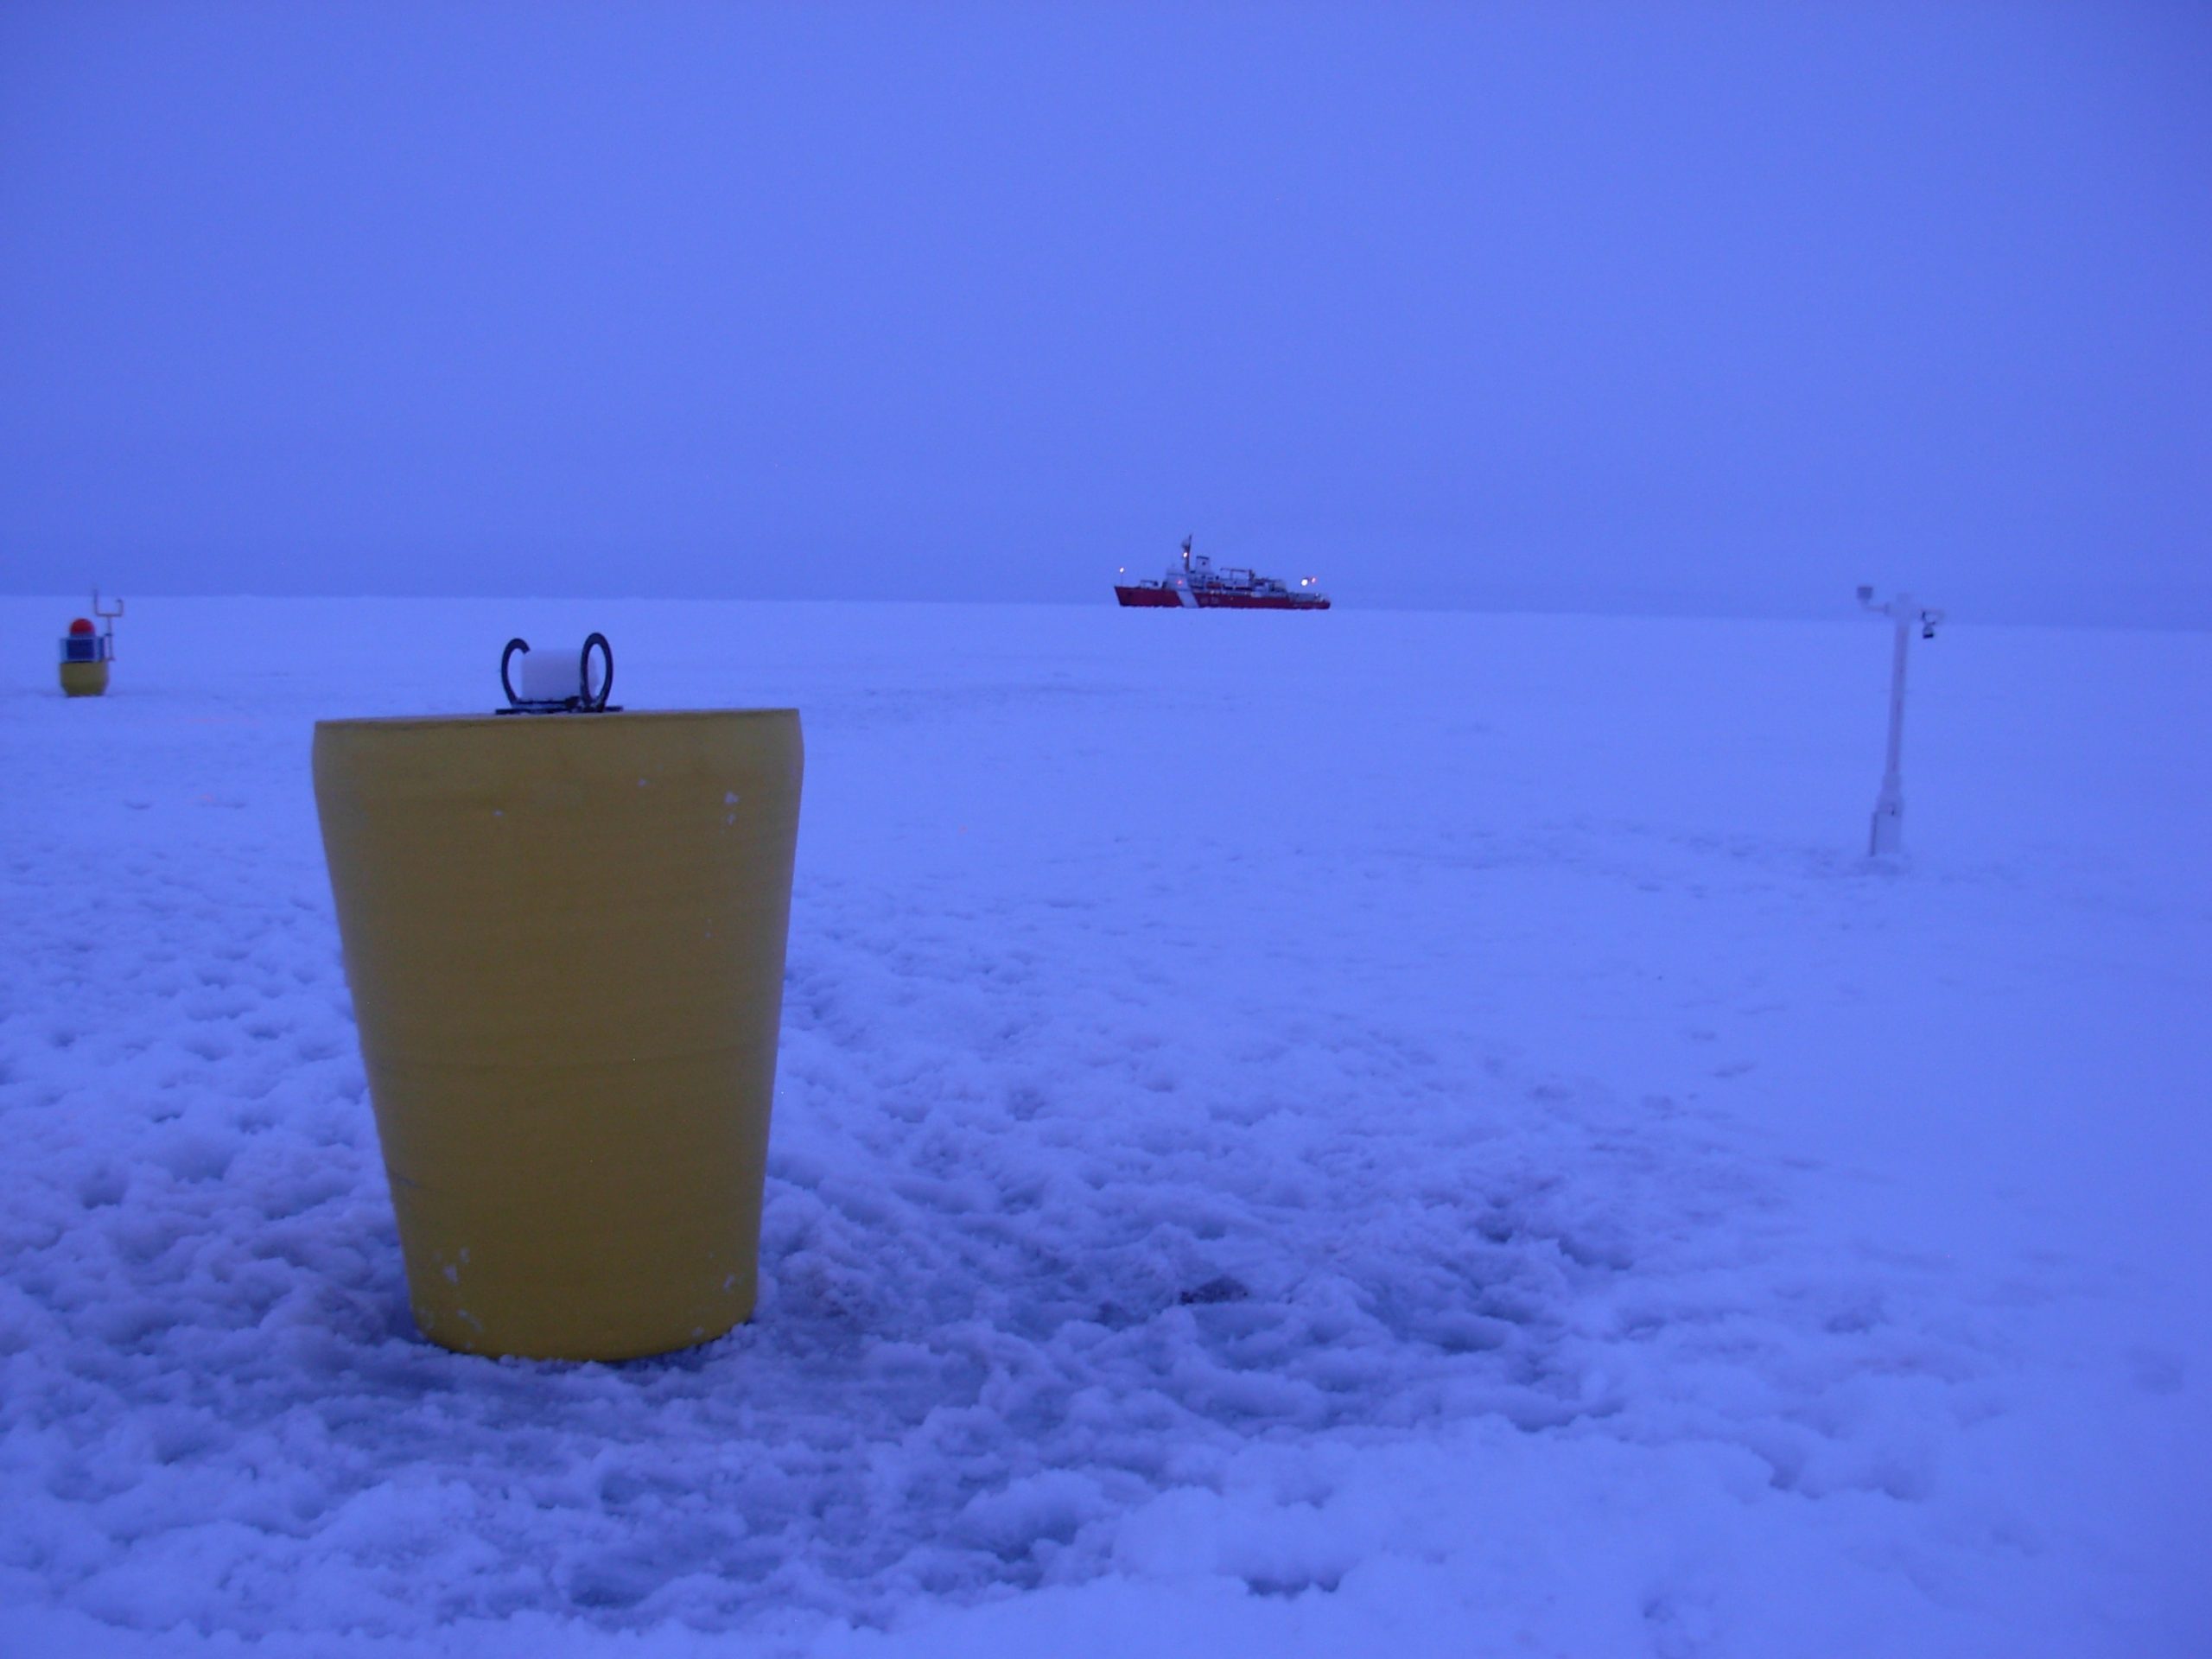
(507, 656)
(606, 685)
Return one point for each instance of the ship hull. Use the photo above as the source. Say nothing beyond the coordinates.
(1149, 598)
(1266, 602)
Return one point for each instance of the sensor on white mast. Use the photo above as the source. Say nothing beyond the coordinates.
(1888, 831)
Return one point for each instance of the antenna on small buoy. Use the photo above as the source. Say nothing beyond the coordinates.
(108, 617)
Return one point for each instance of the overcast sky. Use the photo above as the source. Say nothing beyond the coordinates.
(1609, 306)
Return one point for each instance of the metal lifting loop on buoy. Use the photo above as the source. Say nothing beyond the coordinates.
(558, 681)
(516, 644)
(606, 685)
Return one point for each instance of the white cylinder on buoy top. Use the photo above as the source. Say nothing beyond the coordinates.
(554, 673)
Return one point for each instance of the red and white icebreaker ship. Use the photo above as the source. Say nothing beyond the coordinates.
(1196, 585)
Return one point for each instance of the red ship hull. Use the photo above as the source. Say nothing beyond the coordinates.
(1170, 598)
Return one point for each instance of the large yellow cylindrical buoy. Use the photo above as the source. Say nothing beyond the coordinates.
(565, 939)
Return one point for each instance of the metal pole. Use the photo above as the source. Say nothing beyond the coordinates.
(1887, 834)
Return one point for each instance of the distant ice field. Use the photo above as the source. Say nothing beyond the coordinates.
(1302, 1134)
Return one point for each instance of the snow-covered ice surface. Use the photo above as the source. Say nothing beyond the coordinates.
(1301, 1134)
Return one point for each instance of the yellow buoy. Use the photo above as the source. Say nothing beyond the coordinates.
(85, 679)
(565, 938)
(86, 651)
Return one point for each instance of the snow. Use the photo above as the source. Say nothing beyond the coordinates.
(1302, 1134)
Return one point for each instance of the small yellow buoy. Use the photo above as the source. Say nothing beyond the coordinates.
(84, 661)
(85, 654)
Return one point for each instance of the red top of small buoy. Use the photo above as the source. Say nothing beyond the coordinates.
(80, 626)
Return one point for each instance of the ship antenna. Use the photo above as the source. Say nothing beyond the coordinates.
(1186, 552)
